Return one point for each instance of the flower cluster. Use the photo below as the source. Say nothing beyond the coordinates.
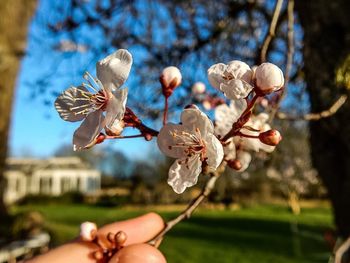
(195, 143)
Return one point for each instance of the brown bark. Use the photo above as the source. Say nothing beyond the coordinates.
(326, 26)
(14, 20)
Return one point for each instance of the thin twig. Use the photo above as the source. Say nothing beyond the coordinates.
(315, 116)
(342, 250)
(272, 30)
(209, 186)
(125, 137)
(290, 54)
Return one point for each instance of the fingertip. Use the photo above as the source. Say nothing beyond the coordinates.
(138, 253)
(138, 230)
(155, 218)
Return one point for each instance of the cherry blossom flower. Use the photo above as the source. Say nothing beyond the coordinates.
(233, 79)
(192, 143)
(226, 115)
(78, 103)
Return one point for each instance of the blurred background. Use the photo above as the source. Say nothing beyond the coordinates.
(289, 206)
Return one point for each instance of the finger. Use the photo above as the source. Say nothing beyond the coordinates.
(138, 253)
(138, 230)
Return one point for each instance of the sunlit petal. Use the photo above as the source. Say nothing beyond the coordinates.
(185, 175)
(116, 107)
(113, 70)
(90, 128)
(73, 104)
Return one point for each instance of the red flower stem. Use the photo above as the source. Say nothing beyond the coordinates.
(241, 120)
(166, 107)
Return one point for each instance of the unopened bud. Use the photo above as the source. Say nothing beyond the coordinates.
(198, 88)
(100, 138)
(88, 231)
(98, 255)
(110, 237)
(206, 105)
(120, 238)
(234, 164)
(170, 79)
(270, 137)
(148, 137)
(269, 78)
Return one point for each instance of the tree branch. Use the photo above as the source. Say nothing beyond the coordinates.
(209, 186)
(341, 250)
(290, 54)
(315, 116)
(272, 30)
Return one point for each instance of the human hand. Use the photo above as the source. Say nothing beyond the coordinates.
(139, 230)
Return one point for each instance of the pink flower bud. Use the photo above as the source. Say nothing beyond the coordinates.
(206, 105)
(120, 238)
(170, 79)
(270, 137)
(100, 138)
(234, 164)
(88, 231)
(269, 78)
(198, 88)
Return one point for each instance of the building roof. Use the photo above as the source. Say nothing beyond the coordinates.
(29, 165)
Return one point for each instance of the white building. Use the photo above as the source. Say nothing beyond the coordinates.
(52, 176)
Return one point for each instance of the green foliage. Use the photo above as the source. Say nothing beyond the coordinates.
(67, 198)
(255, 234)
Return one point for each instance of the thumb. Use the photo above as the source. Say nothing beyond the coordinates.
(138, 253)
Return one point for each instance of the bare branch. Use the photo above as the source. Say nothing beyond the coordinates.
(341, 250)
(315, 116)
(290, 54)
(209, 186)
(272, 30)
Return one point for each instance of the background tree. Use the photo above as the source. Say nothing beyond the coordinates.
(326, 28)
(15, 15)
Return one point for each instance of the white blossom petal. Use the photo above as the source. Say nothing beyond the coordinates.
(166, 141)
(239, 70)
(215, 74)
(71, 102)
(116, 107)
(113, 70)
(244, 158)
(90, 128)
(186, 175)
(193, 119)
(230, 150)
(215, 151)
(225, 115)
(236, 89)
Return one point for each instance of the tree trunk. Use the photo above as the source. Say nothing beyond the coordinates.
(326, 26)
(14, 20)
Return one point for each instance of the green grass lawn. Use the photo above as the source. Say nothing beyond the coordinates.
(255, 234)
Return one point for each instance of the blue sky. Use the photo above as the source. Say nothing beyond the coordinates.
(36, 129)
